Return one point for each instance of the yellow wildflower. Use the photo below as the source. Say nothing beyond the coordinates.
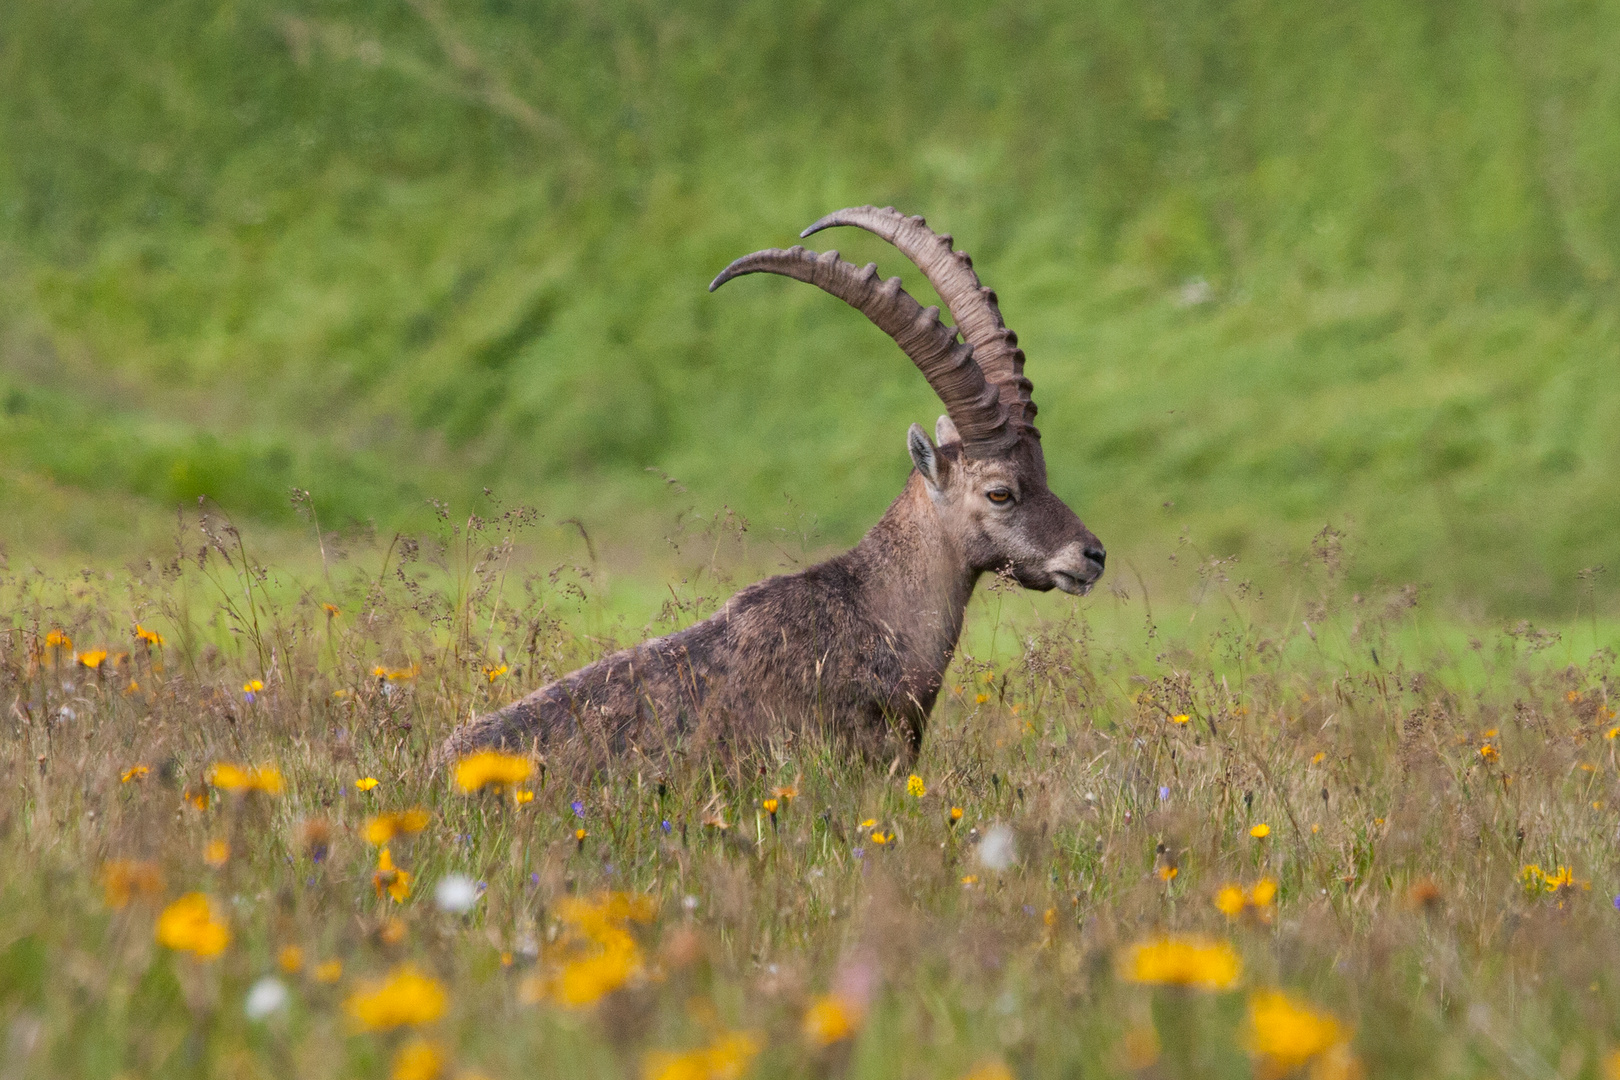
(770, 806)
(786, 794)
(290, 959)
(406, 996)
(216, 853)
(522, 795)
(869, 823)
(1180, 718)
(418, 1059)
(1182, 960)
(384, 827)
(92, 658)
(726, 1058)
(366, 783)
(1317, 758)
(880, 838)
(956, 814)
(493, 672)
(397, 674)
(189, 925)
(1264, 892)
(1167, 873)
(831, 1018)
(491, 767)
(253, 686)
(1489, 752)
(1230, 901)
(228, 777)
(328, 971)
(915, 787)
(123, 880)
(970, 879)
(390, 878)
(1260, 831)
(596, 954)
(56, 639)
(151, 637)
(1286, 1033)
(134, 772)
(332, 610)
(1612, 733)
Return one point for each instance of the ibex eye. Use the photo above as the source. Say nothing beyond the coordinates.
(998, 495)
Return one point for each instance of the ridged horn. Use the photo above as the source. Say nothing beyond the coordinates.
(972, 403)
(972, 305)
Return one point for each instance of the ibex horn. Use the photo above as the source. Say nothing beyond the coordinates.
(974, 405)
(972, 306)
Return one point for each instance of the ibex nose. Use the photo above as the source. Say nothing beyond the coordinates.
(1096, 555)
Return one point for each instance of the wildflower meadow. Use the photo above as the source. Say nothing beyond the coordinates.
(1297, 831)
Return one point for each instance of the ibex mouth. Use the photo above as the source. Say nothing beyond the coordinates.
(1073, 584)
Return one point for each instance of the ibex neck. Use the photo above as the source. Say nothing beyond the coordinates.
(918, 582)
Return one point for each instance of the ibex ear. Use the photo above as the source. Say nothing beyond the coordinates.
(924, 456)
(945, 431)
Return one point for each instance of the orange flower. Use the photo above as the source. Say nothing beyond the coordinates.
(189, 925)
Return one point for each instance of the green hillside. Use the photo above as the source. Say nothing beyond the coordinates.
(1275, 265)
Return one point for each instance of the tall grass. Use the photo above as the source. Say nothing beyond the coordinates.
(1114, 761)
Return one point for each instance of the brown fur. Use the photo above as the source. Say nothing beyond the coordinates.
(857, 645)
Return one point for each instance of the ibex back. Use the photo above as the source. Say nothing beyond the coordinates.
(857, 645)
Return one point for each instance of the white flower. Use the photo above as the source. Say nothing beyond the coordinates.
(999, 848)
(456, 894)
(266, 996)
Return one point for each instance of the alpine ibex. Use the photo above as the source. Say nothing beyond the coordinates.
(858, 644)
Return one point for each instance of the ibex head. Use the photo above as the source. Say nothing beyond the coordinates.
(986, 477)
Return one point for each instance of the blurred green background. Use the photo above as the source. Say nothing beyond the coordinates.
(1275, 266)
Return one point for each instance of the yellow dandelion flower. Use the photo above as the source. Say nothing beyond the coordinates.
(385, 827)
(1264, 892)
(196, 798)
(56, 639)
(1318, 757)
(216, 853)
(328, 971)
(956, 814)
(491, 767)
(151, 637)
(1167, 873)
(123, 880)
(1489, 752)
(189, 925)
(727, 1057)
(1260, 831)
(980, 699)
(1286, 1033)
(1230, 901)
(1182, 960)
(404, 997)
(92, 658)
(1612, 733)
(522, 796)
(397, 674)
(1181, 718)
(366, 783)
(831, 1018)
(770, 806)
(290, 959)
(134, 772)
(418, 1059)
(915, 787)
(880, 838)
(253, 686)
(970, 879)
(229, 777)
(390, 878)
(493, 672)
(869, 823)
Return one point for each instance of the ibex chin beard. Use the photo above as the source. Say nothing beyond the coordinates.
(856, 646)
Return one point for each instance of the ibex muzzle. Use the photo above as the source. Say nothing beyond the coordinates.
(857, 645)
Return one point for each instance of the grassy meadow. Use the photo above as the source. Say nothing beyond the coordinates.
(1217, 833)
(357, 374)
